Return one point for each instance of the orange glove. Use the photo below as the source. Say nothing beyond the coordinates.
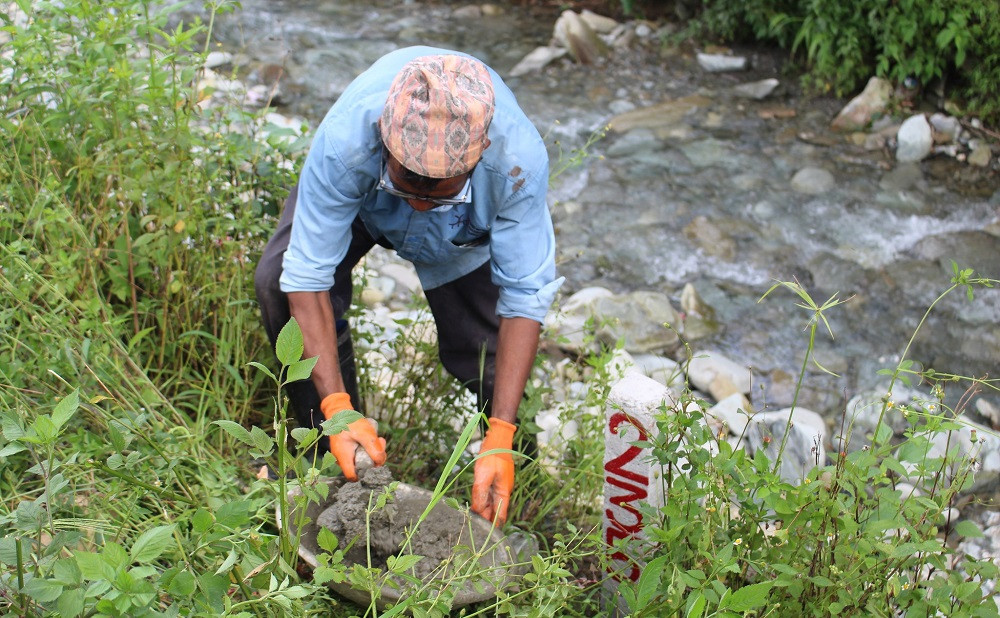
(359, 433)
(494, 474)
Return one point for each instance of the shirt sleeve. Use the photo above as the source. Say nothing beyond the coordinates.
(522, 246)
(328, 201)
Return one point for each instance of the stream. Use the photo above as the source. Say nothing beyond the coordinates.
(705, 197)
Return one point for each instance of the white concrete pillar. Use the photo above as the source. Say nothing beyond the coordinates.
(630, 477)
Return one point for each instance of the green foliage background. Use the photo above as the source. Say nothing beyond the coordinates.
(955, 43)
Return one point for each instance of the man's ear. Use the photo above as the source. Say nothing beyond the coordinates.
(486, 143)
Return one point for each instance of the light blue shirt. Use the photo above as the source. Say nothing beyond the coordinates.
(506, 223)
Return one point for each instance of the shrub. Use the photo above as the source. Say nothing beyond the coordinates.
(735, 536)
(956, 44)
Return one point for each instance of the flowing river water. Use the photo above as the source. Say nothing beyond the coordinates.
(704, 197)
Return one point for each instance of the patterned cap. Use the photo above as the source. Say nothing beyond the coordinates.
(437, 114)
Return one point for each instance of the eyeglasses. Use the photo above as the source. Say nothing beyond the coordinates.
(462, 197)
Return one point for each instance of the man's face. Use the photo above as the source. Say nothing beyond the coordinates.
(423, 198)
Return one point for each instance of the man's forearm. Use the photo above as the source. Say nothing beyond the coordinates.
(314, 313)
(517, 346)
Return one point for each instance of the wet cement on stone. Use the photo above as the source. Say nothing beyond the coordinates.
(385, 529)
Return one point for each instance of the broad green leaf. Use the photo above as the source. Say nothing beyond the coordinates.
(152, 543)
(266, 371)
(696, 606)
(227, 563)
(12, 449)
(289, 345)
(301, 370)
(327, 540)
(749, 597)
(968, 529)
(649, 581)
(233, 514)
(260, 439)
(67, 571)
(883, 434)
(237, 431)
(182, 584)
(71, 603)
(43, 590)
(202, 520)
(45, 431)
(402, 564)
(93, 567)
(65, 409)
(304, 434)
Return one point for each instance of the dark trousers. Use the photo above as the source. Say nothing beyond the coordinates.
(464, 312)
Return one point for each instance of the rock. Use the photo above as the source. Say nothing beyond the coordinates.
(733, 413)
(706, 365)
(469, 11)
(914, 139)
(660, 368)
(640, 319)
(710, 238)
(372, 296)
(568, 322)
(862, 108)
(404, 274)
(664, 114)
(946, 128)
(492, 10)
(718, 63)
(803, 450)
(573, 33)
(812, 181)
(981, 154)
(989, 411)
(722, 387)
(756, 90)
(216, 59)
(537, 59)
(692, 303)
(864, 410)
(902, 177)
(598, 23)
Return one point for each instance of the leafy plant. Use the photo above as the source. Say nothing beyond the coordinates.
(736, 536)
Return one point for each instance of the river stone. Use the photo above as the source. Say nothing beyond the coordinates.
(862, 108)
(946, 128)
(576, 35)
(641, 319)
(706, 365)
(598, 23)
(803, 450)
(537, 59)
(710, 238)
(756, 90)
(661, 115)
(864, 409)
(732, 414)
(903, 176)
(988, 411)
(914, 139)
(664, 370)
(469, 11)
(718, 63)
(812, 181)
(633, 142)
(568, 323)
(981, 155)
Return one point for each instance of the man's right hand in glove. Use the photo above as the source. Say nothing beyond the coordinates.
(360, 432)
